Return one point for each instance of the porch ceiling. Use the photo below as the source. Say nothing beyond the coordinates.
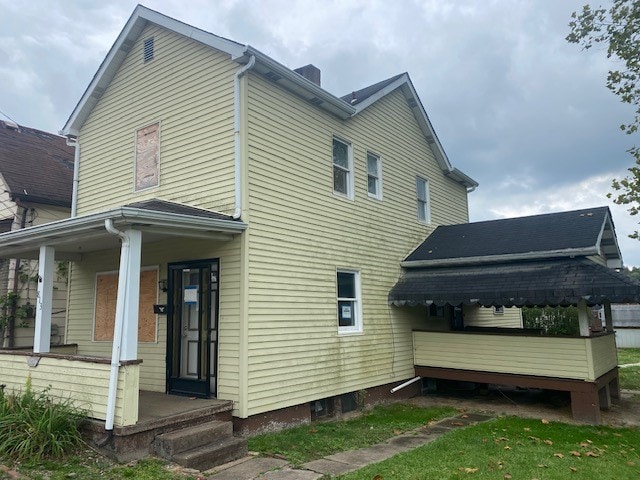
(564, 281)
(72, 237)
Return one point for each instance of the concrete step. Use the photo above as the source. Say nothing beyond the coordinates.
(209, 456)
(170, 444)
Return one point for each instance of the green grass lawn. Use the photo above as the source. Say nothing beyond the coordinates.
(310, 442)
(514, 448)
(629, 376)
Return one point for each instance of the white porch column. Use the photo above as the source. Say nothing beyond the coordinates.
(583, 318)
(131, 279)
(44, 302)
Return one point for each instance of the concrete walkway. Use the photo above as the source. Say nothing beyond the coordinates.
(267, 468)
(626, 365)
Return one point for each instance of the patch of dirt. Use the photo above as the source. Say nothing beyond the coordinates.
(529, 403)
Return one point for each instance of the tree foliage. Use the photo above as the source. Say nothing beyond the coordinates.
(617, 28)
(552, 320)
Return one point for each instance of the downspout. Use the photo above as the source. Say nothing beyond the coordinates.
(73, 142)
(118, 328)
(9, 339)
(236, 136)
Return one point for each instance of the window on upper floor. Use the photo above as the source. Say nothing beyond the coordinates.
(422, 193)
(374, 176)
(147, 168)
(349, 304)
(342, 168)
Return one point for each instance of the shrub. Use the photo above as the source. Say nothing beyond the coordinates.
(35, 426)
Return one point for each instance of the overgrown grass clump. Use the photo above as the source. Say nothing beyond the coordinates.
(35, 426)
(310, 442)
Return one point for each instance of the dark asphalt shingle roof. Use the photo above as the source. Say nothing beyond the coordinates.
(165, 206)
(538, 233)
(551, 282)
(361, 95)
(37, 166)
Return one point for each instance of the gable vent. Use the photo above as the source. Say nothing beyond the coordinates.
(274, 77)
(147, 50)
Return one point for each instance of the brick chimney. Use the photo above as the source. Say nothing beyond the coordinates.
(310, 72)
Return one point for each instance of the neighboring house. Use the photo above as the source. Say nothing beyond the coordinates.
(626, 322)
(36, 170)
(558, 259)
(238, 232)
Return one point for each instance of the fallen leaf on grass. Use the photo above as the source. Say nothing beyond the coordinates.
(457, 424)
(313, 430)
(378, 477)
(397, 432)
(542, 465)
(507, 476)
(575, 454)
(527, 429)
(470, 470)
(631, 464)
(573, 469)
(548, 442)
(559, 455)
(545, 421)
(507, 447)
(534, 438)
(464, 416)
(617, 434)
(591, 454)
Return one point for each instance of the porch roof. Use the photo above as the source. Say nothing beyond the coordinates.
(157, 219)
(553, 282)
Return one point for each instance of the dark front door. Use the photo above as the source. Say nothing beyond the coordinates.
(193, 328)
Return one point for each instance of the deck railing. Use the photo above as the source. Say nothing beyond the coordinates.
(580, 358)
(83, 379)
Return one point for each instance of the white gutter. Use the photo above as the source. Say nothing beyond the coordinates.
(73, 142)
(119, 324)
(236, 136)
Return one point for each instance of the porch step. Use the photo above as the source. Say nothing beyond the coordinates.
(209, 456)
(201, 446)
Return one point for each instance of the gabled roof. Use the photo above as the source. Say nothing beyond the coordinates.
(553, 282)
(36, 166)
(587, 232)
(265, 65)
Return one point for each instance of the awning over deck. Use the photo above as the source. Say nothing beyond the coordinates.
(553, 282)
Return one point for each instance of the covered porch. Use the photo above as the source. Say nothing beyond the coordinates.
(106, 386)
(584, 365)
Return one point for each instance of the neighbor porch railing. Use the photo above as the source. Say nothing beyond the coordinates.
(83, 379)
(579, 358)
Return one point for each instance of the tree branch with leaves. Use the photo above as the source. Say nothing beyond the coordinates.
(617, 28)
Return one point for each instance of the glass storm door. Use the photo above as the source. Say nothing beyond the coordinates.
(192, 333)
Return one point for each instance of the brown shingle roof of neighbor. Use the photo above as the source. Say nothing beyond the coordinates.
(37, 166)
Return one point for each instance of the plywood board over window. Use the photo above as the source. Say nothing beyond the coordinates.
(105, 306)
(148, 157)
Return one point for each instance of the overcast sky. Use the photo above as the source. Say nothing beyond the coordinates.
(515, 106)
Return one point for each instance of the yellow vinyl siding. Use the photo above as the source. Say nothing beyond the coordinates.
(85, 382)
(300, 233)
(153, 354)
(485, 317)
(581, 358)
(188, 88)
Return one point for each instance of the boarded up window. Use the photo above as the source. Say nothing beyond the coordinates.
(106, 295)
(148, 156)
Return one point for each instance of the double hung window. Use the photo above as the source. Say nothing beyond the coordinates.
(422, 193)
(342, 168)
(349, 308)
(374, 176)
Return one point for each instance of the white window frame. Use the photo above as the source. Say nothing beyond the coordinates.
(377, 176)
(349, 170)
(423, 204)
(498, 310)
(357, 303)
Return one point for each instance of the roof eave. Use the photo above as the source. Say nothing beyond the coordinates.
(450, 262)
(414, 102)
(138, 20)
